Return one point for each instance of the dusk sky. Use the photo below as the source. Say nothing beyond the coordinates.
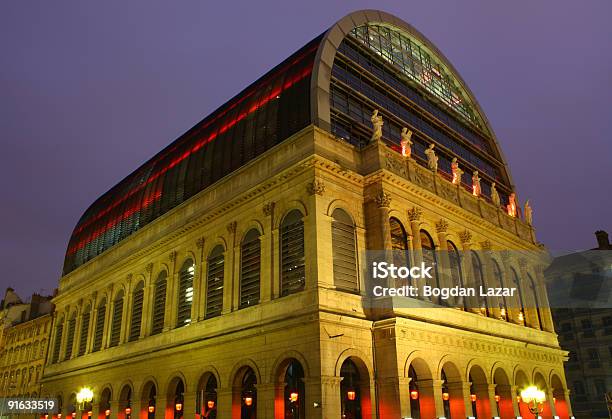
(89, 91)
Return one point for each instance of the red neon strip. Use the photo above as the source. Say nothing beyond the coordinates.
(72, 249)
(200, 144)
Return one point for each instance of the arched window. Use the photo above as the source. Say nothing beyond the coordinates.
(99, 332)
(399, 243)
(250, 268)
(185, 297)
(293, 269)
(214, 282)
(70, 336)
(159, 303)
(521, 302)
(344, 251)
(429, 257)
(83, 335)
(294, 406)
(479, 282)
(57, 344)
(136, 319)
(536, 303)
(499, 282)
(350, 390)
(115, 334)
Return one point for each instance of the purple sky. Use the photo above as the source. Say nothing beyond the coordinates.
(89, 91)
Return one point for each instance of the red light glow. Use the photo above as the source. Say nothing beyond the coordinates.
(414, 394)
(351, 395)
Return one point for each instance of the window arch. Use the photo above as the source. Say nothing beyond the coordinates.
(456, 274)
(136, 319)
(293, 268)
(399, 243)
(536, 303)
(59, 331)
(344, 251)
(69, 337)
(214, 282)
(83, 335)
(117, 318)
(159, 303)
(499, 282)
(521, 301)
(483, 303)
(429, 256)
(250, 268)
(185, 296)
(99, 331)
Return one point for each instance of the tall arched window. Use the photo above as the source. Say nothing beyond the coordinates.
(499, 282)
(57, 344)
(344, 251)
(536, 303)
(350, 390)
(136, 318)
(83, 335)
(214, 282)
(159, 303)
(185, 296)
(250, 268)
(117, 318)
(456, 275)
(99, 332)
(479, 282)
(521, 302)
(399, 243)
(429, 257)
(293, 268)
(70, 336)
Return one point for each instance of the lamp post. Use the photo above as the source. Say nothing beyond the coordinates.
(534, 397)
(84, 397)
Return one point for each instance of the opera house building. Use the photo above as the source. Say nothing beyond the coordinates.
(228, 276)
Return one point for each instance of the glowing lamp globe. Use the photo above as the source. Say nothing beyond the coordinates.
(293, 397)
(210, 404)
(351, 395)
(414, 394)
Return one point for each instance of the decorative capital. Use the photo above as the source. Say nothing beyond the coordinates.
(505, 255)
(268, 208)
(128, 277)
(465, 236)
(316, 187)
(415, 214)
(200, 243)
(172, 256)
(149, 267)
(442, 226)
(486, 245)
(94, 295)
(231, 227)
(522, 262)
(383, 200)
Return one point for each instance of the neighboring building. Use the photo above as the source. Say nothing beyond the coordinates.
(25, 336)
(228, 272)
(584, 324)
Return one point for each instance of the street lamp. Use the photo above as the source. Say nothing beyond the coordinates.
(84, 397)
(533, 397)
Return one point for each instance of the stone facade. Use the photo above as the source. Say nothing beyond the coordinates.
(320, 328)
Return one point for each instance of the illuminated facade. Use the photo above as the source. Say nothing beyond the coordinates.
(225, 277)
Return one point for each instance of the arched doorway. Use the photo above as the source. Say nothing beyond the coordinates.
(104, 406)
(503, 394)
(479, 393)
(291, 389)
(540, 383)
(245, 393)
(453, 398)
(206, 398)
(175, 399)
(350, 390)
(561, 404)
(522, 383)
(148, 400)
(125, 403)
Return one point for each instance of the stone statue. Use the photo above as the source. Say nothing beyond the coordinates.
(457, 172)
(528, 213)
(432, 159)
(476, 191)
(511, 207)
(377, 124)
(495, 196)
(406, 142)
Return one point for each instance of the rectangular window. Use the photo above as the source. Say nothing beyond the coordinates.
(214, 285)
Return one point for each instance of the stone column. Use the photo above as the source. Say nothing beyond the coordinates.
(265, 400)
(147, 309)
(550, 399)
(531, 314)
(317, 238)
(330, 397)
(313, 397)
(77, 330)
(404, 396)
(267, 252)
(171, 303)
(460, 402)
(545, 309)
(566, 394)
(198, 283)
(414, 215)
(229, 280)
(489, 278)
(226, 408)
(430, 398)
(189, 404)
(64, 340)
(486, 405)
(114, 408)
(126, 317)
(515, 403)
(161, 405)
(471, 303)
(204, 290)
(507, 401)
